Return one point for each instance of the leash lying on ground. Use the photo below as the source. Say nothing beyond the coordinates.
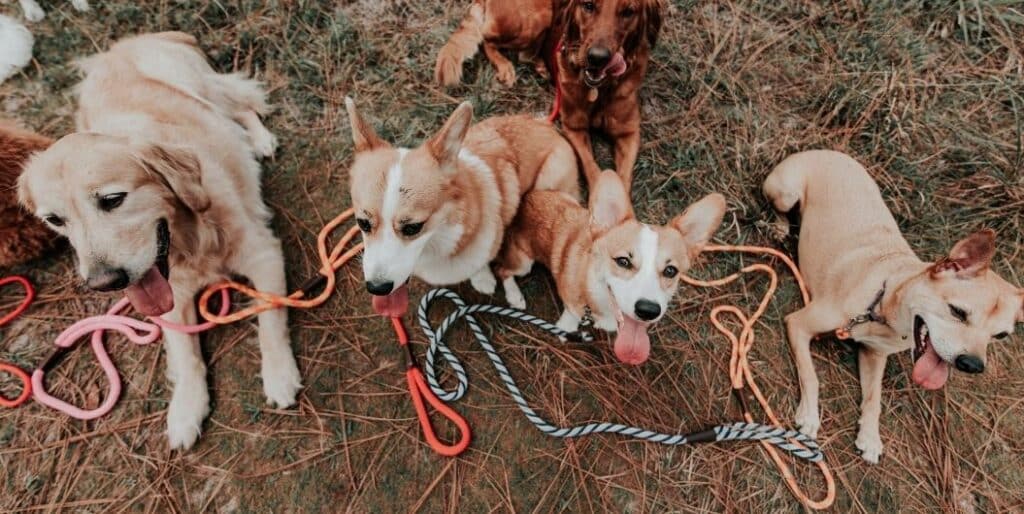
(739, 366)
(26, 385)
(792, 441)
(427, 389)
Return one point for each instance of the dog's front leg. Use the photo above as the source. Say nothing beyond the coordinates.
(627, 146)
(262, 261)
(815, 318)
(190, 396)
(872, 368)
(579, 138)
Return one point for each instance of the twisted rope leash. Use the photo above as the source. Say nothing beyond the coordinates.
(791, 441)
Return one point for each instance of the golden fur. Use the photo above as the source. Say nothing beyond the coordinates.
(179, 141)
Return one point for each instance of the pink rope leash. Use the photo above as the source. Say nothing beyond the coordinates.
(137, 331)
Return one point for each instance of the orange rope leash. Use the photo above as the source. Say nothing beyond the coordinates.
(330, 262)
(739, 365)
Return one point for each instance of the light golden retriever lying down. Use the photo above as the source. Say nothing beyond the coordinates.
(159, 194)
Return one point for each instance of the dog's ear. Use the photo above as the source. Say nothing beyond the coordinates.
(178, 170)
(363, 135)
(572, 29)
(445, 145)
(650, 21)
(609, 203)
(969, 257)
(24, 195)
(699, 222)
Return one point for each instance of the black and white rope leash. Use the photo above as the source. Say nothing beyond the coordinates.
(791, 441)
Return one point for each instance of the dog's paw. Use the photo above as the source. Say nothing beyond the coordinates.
(506, 74)
(484, 282)
(281, 379)
(516, 299)
(189, 407)
(264, 143)
(808, 420)
(33, 12)
(81, 5)
(870, 446)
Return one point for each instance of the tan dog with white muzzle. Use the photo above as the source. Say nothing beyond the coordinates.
(864, 277)
(439, 211)
(608, 266)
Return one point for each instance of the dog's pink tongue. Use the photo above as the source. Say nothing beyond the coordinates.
(393, 305)
(151, 295)
(617, 66)
(632, 344)
(930, 371)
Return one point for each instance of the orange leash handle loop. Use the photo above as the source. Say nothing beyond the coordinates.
(20, 374)
(419, 391)
(740, 374)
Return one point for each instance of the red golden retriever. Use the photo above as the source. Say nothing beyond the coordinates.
(600, 50)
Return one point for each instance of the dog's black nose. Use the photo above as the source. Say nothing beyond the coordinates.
(647, 310)
(108, 280)
(969, 364)
(379, 287)
(598, 57)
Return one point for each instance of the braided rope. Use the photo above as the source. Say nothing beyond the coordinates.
(797, 444)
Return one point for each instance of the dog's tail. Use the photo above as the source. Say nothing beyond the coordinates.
(786, 185)
(461, 46)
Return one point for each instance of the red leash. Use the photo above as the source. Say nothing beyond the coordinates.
(26, 384)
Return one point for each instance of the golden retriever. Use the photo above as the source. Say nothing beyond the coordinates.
(603, 50)
(159, 194)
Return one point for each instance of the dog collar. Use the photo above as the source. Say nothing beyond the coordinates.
(871, 315)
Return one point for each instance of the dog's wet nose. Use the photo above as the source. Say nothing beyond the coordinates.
(647, 310)
(598, 57)
(379, 287)
(969, 364)
(108, 280)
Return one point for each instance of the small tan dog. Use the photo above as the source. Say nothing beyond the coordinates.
(159, 194)
(857, 264)
(439, 211)
(606, 264)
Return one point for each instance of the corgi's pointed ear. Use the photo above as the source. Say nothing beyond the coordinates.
(609, 203)
(445, 145)
(700, 221)
(363, 135)
(969, 257)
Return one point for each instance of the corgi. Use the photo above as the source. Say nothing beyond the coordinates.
(609, 267)
(858, 265)
(439, 211)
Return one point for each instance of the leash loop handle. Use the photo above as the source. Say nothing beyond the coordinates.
(7, 367)
(420, 391)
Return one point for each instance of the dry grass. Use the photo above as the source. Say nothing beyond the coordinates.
(927, 93)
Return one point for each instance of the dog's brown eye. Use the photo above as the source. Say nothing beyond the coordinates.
(1002, 335)
(589, 6)
(624, 262)
(411, 229)
(54, 220)
(111, 201)
(670, 272)
(364, 224)
(627, 12)
(958, 313)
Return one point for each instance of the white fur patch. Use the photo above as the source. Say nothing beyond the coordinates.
(15, 47)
